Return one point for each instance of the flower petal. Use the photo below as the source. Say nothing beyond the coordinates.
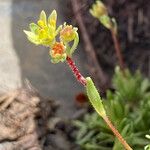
(52, 19)
(43, 17)
(34, 27)
(32, 37)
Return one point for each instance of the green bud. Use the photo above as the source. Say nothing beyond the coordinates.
(106, 21)
(98, 9)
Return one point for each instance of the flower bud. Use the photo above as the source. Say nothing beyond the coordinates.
(67, 34)
(98, 9)
(57, 53)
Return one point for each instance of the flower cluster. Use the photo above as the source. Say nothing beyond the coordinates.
(100, 12)
(45, 33)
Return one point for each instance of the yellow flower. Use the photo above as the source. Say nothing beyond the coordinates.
(98, 9)
(44, 32)
(58, 52)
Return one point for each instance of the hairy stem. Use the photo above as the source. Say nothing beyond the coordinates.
(116, 133)
(83, 81)
(118, 51)
(75, 71)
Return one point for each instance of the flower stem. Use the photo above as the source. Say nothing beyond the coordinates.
(118, 50)
(83, 81)
(75, 71)
(116, 133)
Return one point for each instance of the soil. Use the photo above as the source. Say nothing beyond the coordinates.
(134, 34)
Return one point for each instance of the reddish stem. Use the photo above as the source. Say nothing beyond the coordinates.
(76, 71)
(116, 133)
(118, 50)
(83, 81)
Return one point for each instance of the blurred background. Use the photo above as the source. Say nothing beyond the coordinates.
(21, 60)
(95, 56)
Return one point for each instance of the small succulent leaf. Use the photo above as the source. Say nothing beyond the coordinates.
(147, 136)
(127, 130)
(145, 85)
(94, 97)
(139, 141)
(87, 137)
(82, 132)
(118, 109)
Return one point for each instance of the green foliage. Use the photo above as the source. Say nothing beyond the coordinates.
(128, 108)
(132, 87)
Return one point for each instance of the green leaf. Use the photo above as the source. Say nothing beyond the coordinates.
(94, 97)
